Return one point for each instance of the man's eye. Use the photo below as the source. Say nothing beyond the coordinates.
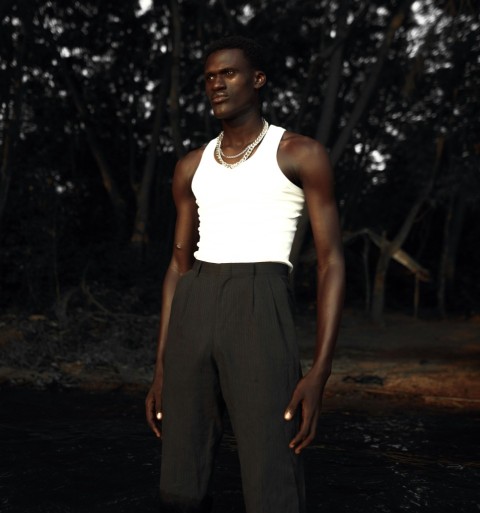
(229, 72)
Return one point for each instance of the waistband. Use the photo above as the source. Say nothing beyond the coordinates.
(240, 268)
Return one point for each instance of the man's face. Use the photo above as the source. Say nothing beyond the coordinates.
(231, 83)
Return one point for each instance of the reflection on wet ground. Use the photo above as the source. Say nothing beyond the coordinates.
(77, 452)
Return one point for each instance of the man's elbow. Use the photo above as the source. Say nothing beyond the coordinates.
(333, 264)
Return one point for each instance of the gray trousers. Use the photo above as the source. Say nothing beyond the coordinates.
(231, 344)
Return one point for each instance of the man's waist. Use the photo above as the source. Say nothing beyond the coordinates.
(240, 268)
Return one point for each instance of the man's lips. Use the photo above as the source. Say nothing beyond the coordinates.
(218, 98)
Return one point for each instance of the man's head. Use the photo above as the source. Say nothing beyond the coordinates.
(253, 52)
(234, 76)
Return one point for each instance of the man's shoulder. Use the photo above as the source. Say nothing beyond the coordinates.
(188, 164)
(193, 156)
(303, 141)
(298, 144)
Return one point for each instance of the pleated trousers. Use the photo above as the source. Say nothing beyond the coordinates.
(231, 344)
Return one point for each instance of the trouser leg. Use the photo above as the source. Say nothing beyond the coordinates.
(191, 402)
(257, 357)
(231, 335)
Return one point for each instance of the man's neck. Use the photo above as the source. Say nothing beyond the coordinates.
(239, 133)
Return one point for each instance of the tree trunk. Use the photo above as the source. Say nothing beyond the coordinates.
(140, 234)
(11, 133)
(353, 195)
(359, 109)
(366, 272)
(378, 295)
(371, 83)
(175, 79)
(12, 118)
(334, 77)
(228, 16)
(116, 199)
(387, 250)
(333, 53)
(451, 238)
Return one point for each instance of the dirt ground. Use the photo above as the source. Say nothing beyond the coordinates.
(405, 363)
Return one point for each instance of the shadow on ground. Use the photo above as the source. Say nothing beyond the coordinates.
(72, 451)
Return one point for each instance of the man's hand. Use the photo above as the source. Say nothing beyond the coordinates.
(308, 393)
(153, 406)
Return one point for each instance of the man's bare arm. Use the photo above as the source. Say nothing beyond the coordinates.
(184, 244)
(310, 165)
(322, 208)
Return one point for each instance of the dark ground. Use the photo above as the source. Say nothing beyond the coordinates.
(68, 451)
(399, 430)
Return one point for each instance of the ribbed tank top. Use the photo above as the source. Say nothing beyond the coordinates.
(248, 213)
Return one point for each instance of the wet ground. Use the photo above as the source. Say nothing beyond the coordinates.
(70, 451)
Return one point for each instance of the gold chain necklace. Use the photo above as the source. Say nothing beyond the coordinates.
(247, 151)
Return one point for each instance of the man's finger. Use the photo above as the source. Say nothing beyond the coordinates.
(308, 436)
(308, 439)
(152, 422)
(153, 416)
(306, 442)
(291, 408)
(154, 428)
(305, 428)
(302, 433)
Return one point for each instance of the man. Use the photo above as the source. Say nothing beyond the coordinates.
(227, 336)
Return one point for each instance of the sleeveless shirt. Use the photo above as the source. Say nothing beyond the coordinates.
(248, 213)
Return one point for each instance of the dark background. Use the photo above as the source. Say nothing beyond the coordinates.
(99, 99)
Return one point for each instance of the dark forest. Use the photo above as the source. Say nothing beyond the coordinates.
(99, 100)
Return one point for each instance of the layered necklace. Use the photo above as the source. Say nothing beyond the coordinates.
(246, 152)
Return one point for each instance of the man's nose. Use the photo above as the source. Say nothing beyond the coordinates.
(218, 82)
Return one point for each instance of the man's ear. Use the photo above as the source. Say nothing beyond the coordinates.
(260, 79)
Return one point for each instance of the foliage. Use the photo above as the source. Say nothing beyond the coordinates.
(86, 79)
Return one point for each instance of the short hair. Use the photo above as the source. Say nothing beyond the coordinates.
(253, 51)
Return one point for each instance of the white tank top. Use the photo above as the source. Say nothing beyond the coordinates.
(248, 213)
